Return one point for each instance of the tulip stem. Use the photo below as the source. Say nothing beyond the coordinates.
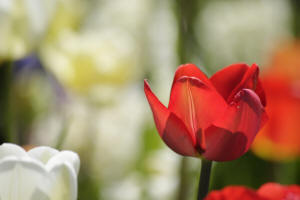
(6, 118)
(204, 179)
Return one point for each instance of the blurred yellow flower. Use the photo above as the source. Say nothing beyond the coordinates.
(68, 14)
(86, 62)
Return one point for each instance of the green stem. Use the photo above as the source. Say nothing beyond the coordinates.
(295, 5)
(6, 126)
(62, 135)
(204, 179)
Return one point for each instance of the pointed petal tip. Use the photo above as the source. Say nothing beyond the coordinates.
(146, 83)
(147, 87)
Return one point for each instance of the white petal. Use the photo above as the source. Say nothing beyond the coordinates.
(8, 149)
(43, 154)
(22, 179)
(65, 157)
(63, 182)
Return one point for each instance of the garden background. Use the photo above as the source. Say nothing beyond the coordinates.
(71, 76)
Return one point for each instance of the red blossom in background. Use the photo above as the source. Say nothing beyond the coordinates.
(234, 193)
(268, 191)
(280, 139)
(216, 117)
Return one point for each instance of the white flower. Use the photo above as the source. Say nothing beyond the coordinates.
(131, 15)
(43, 173)
(242, 31)
(23, 24)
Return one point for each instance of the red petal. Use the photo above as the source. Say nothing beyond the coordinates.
(223, 145)
(273, 191)
(233, 193)
(170, 128)
(277, 192)
(284, 113)
(190, 70)
(226, 79)
(195, 103)
(231, 135)
(177, 137)
(233, 78)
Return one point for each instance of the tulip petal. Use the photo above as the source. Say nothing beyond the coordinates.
(235, 130)
(226, 79)
(190, 70)
(63, 181)
(65, 157)
(8, 149)
(15, 174)
(178, 138)
(233, 78)
(223, 145)
(273, 191)
(42, 153)
(195, 103)
(233, 193)
(170, 128)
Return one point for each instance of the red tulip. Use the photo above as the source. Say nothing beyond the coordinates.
(234, 193)
(268, 191)
(276, 191)
(279, 140)
(216, 117)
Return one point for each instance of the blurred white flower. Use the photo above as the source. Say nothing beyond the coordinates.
(128, 188)
(119, 134)
(162, 34)
(130, 14)
(42, 173)
(242, 31)
(23, 24)
(163, 166)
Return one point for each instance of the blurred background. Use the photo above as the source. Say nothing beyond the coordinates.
(71, 75)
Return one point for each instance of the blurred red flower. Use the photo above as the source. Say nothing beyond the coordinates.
(216, 118)
(234, 193)
(280, 139)
(268, 191)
